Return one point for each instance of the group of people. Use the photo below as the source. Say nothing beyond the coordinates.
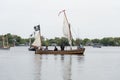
(62, 47)
(55, 48)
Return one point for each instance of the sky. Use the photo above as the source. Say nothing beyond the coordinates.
(88, 18)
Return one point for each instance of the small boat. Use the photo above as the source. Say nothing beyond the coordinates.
(37, 42)
(5, 44)
(4, 48)
(31, 49)
(68, 35)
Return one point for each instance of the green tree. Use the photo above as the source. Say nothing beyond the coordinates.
(64, 41)
(78, 42)
(95, 40)
(86, 41)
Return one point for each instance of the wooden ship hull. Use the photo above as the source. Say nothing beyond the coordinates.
(73, 52)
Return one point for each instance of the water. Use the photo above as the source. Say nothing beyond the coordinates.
(97, 64)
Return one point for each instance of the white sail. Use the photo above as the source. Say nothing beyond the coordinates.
(37, 41)
(5, 43)
(67, 30)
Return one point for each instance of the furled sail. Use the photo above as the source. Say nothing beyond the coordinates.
(37, 41)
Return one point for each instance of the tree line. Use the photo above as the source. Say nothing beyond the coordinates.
(15, 40)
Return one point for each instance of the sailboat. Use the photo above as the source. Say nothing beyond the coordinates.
(68, 35)
(37, 42)
(5, 44)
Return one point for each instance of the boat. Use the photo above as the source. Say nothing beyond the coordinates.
(31, 49)
(37, 42)
(5, 44)
(68, 35)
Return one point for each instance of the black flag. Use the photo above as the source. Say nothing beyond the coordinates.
(36, 28)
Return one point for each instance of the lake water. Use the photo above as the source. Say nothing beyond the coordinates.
(97, 64)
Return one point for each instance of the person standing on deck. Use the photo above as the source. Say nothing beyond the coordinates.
(55, 49)
(46, 48)
(62, 46)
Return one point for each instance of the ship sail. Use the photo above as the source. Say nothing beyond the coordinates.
(67, 29)
(37, 41)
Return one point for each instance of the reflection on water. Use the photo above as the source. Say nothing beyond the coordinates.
(97, 64)
(37, 62)
(67, 67)
(54, 67)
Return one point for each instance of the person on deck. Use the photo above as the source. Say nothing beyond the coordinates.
(62, 46)
(55, 49)
(46, 48)
(79, 47)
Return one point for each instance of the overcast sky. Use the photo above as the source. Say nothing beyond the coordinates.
(88, 18)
